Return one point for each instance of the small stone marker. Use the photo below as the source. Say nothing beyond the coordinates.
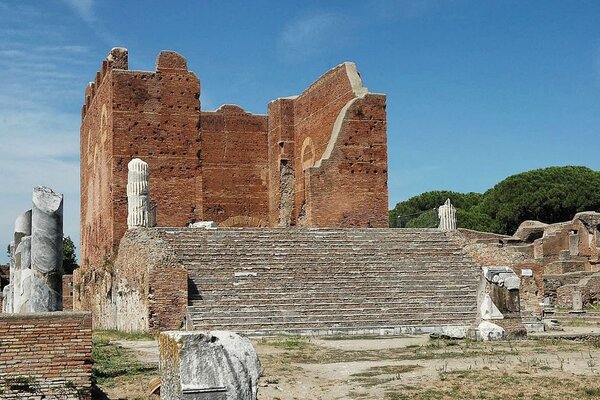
(577, 302)
(216, 365)
(526, 272)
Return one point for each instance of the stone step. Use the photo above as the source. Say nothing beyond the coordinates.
(415, 318)
(273, 279)
(200, 306)
(306, 290)
(382, 321)
(216, 313)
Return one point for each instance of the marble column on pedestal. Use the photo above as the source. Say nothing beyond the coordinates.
(46, 250)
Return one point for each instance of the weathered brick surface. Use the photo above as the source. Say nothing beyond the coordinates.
(328, 155)
(144, 289)
(356, 168)
(150, 115)
(45, 356)
(67, 292)
(234, 165)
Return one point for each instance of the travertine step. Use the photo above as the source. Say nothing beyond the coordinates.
(298, 280)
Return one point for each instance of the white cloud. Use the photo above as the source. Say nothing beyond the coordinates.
(85, 9)
(39, 123)
(310, 35)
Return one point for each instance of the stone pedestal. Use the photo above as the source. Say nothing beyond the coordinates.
(207, 366)
(138, 194)
(447, 216)
(46, 250)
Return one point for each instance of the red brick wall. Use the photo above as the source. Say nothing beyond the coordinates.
(234, 164)
(96, 172)
(350, 187)
(281, 150)
(156, 118)
(356, 168)
(151, 115)
(45, 355)
(315, 113)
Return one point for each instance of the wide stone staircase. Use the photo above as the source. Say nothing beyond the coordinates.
(325, 281)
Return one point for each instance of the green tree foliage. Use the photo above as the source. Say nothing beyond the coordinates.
(405, 212)
(69, 257)
(549, 195)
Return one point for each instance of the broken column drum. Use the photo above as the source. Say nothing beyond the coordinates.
(22, 229)
(447, 216)
(138, 194)
(46, 250)
(23, 291)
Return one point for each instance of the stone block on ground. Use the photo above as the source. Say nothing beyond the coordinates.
(217, 365)
(490, 331)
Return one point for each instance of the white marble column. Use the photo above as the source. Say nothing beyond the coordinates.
(138, 194)
(46, 250)
(447, 216)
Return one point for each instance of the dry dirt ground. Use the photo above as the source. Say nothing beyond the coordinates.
(409, 367)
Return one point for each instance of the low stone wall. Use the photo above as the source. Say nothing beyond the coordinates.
(145, 283)
(46, 356)
(589, 288)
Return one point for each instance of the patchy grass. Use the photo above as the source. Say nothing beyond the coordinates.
(290, 342)
(488, 384)
(579, 322)
(111, 361)
(382, 374)
(361, 337)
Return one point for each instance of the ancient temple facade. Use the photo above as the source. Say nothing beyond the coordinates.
(315, 160)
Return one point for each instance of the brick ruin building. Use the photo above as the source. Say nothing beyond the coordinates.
(318, 159)
(300, 198)
(553, 260)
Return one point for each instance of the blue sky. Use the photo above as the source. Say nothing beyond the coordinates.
(477, 90)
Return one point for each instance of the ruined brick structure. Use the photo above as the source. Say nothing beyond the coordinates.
(318, 159)
(559, 258)
(46, 356)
